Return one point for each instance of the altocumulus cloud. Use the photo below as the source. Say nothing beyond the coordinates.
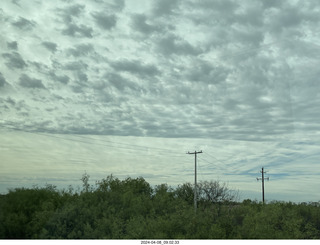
(134, 66)
(23, 24)
(14, 60)
(28, 82)
(2, 80)
(240, 61)
(105, 21)
(50, 46)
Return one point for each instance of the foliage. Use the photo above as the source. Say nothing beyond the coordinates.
(214, 191)
(132, 209)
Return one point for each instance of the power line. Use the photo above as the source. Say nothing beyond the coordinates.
(129, 146)
(101, 144)
(210, 163)
(224, 164)
(219, 170)
(229, 166)
(204, 171)
(215, 158)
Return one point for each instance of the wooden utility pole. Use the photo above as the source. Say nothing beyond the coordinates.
(195, 177)
(262, 178)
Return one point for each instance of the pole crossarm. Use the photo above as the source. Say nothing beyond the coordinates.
(196, 152)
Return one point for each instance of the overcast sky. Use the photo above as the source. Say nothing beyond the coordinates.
(129, 86)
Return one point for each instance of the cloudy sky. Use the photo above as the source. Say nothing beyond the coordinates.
(129, 86)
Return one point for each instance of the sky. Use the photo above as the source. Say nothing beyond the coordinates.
(128, 87)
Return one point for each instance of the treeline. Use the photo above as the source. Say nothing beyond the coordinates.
(132, 209)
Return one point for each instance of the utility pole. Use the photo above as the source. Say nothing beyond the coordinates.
(195, 178)
(262, 178)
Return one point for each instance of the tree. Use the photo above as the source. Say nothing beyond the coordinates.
(25, 211)
(185, 192)
(214, 191)
(132, 209)
(85, 181)
(208, 192)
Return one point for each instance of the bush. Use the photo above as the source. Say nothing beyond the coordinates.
(132, 209)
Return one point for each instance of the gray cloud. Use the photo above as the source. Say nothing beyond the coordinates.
(74, 10)
(289, 17)
(77, 89)
(77, 30)
(165, 7)
(81, 50)
(24, 24)
(104, 20)
(82, 77)
(136, 67)
(10, 101)
(70, 16)
(13, 45)
(64, 79)
(118, 5)
(50, 46)
(249, 36)
(272, 4)
(139, 23)
(70, 12)
(172, 44)
(207, 73)
(118, 81)
(28, 82)
(14, 60)
(224, 8)
(16, 2)
(2, 80)
(75, 66)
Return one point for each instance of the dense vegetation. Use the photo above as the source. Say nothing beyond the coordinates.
(132, 209)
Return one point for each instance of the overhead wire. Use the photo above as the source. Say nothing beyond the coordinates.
(130, 147)
(210, 163)
(154, 156)
(214, 157)
(133, 147)
(224, 166)
(199, 163)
